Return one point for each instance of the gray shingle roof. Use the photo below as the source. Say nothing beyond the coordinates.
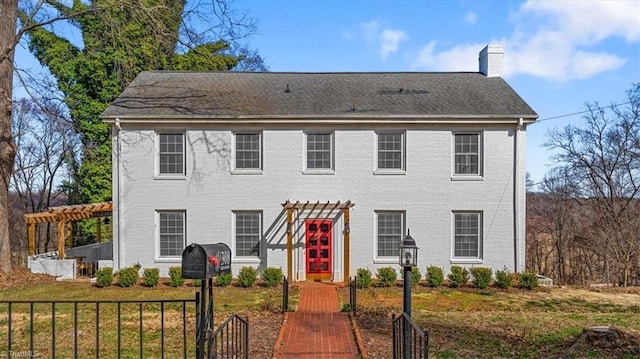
(161, 94)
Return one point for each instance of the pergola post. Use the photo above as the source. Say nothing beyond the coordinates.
(61, 231)
(347, 238)
(289, 243)
(31, 233)
(98, 229)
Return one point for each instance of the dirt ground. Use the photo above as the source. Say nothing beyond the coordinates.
(21, 276)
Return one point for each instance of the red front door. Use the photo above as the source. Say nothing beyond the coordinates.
(318, 241)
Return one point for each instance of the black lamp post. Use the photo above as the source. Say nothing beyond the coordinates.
(408, 260)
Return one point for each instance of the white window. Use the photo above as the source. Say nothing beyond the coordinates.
(171, 154)
(319, 151)
(467, 154)
(391, 151)
(248, 230)
(467, 241)
(171, 232)
(390, 227)
(248, 151)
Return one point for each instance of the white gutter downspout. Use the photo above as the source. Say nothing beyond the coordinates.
(516, 196)
(117, 259)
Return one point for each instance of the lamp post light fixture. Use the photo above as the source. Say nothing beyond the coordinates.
(408, 260)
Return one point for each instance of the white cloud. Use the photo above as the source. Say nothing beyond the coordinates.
(557, 40)
(385, 39)
(471, 17)
(458, 58)
(390, 40)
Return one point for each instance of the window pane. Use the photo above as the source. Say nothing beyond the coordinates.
(467, 154)
(390, 151)
(390, 229)
(248, 151)
(248, 234)
(467, 235)
(171, 233)
(171, 153)
(319, 150)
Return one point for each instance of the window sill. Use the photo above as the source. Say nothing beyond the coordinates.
(246, 260)
(318, 172)
(384, 172)
(393, 260)
(246, 172)
(168, 260)
(467, 178)
(466, 261)
(170, 178)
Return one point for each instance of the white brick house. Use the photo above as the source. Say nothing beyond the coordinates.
(321, 173)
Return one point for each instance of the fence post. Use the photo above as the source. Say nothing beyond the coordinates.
(285, 295)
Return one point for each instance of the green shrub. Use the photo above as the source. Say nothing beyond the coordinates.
(458, 277)
(104, 277)
(503, 279)
(528, 280)
(196, 283)
(175, 276)
(128, 276)
(415, 276)
(386, 277)
(247, 277)
(363, 278)
(272, 276)
(434, 276)
(224, 279)
(481, 277)
(150, 277)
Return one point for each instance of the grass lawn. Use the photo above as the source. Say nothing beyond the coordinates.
(468, 323)
(260, 305)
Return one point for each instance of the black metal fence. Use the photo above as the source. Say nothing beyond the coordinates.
(88, 328)
(285, 295)
(231, 339)
(353, 294)
(409, 341)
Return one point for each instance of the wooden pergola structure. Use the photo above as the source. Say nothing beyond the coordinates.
(64, 216)
(321, 207)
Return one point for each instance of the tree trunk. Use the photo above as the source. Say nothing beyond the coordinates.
(8, 18)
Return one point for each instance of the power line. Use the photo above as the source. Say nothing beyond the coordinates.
(579, 113)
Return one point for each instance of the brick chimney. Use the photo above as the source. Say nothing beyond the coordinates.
(491, 60)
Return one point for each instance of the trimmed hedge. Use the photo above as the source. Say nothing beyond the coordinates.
(272, 276)
(386, 277)
(104, 277)
(481, 277)
(128, 276)
(224, 279)
(247, 277)
(528, 280)
(363, 278)
(503, 279)
(175, 276)
(151, 277)
(434, 276)
(458, 277)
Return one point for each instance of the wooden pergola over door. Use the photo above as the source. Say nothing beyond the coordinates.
(320, 207)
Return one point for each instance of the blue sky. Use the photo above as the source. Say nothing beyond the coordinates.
(558, 54)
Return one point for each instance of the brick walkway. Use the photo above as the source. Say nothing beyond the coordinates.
(317, 329)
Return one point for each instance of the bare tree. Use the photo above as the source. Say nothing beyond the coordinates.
(45, 143)
(602, 160)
